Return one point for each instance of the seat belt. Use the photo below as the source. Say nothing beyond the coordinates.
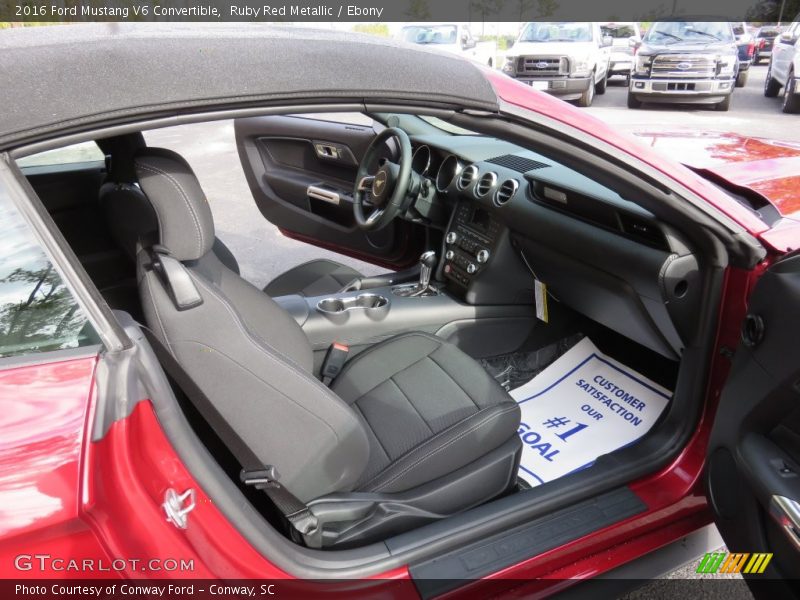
(254, 472)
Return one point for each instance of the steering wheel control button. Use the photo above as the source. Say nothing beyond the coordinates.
(483, 256)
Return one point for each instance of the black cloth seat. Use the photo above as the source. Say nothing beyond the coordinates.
(130, 219)
(412, 429)
(428, 410)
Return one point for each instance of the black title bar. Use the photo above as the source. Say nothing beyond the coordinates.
(470, 11)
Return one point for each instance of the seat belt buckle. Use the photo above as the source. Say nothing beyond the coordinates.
(334, 361)
(260, 478)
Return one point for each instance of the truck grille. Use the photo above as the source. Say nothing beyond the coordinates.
(543, 66)
(683, 65)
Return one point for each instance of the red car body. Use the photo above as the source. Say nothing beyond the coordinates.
(62, 494)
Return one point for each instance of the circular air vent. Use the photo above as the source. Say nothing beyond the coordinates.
(467, 177)
(506, 191)
(485, 184)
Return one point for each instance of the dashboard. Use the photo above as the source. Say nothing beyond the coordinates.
(513, 215)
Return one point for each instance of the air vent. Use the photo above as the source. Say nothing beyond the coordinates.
(485, 184)
(520, 164)
(642, 230)
(467, 177)
(506, 191)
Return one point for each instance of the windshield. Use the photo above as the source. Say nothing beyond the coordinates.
(556, 32)
(618, 30)
(671, 32)
(437, 34)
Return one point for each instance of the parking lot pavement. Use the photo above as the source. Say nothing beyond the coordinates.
(264, 253)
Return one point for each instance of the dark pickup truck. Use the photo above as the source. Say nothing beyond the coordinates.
(685, 62)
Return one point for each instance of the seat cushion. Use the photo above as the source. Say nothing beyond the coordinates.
(429, 410)
(314, 278)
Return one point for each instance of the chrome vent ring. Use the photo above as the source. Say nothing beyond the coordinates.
(485, 184)
(506, 191)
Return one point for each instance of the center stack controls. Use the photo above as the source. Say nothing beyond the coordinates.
(469, 243)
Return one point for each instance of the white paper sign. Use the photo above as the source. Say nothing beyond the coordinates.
(582, 406)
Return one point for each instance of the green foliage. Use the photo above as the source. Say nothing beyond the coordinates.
(379, 29)
(504, 42)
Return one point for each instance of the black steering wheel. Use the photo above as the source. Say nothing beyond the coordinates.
(388, 186)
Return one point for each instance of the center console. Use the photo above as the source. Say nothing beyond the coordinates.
(469, 243)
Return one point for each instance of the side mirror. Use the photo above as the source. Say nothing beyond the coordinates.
(607, 41)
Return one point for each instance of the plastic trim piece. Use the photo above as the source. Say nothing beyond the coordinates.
(445, 573)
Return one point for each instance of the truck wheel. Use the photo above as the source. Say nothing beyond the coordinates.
(601, 87)
(771, 87)
(724, 105)
(791, 101)
(741, 78)
(586, 97)
(633, 101)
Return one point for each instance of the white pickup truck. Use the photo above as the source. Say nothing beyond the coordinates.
(455, 38)
(784, 68)
(566, 59)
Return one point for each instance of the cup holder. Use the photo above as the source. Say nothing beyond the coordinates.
(331, 305)
(339, 306)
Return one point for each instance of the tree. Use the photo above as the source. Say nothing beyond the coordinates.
(45, 317)
(524, 7)
(547, 7)
(418, 10)
(485, 8)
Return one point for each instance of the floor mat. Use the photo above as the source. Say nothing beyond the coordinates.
(583, 405)
(516, 369)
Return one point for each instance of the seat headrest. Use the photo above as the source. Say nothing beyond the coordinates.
(184, 217)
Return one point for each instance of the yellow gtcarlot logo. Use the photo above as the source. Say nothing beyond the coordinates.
(734, 562)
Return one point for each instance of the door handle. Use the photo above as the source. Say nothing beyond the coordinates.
(786, 512)
(327, 151)
(319, 193)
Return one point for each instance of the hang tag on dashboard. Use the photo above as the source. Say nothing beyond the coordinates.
(540, 296)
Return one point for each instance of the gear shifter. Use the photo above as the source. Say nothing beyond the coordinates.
(427, 262)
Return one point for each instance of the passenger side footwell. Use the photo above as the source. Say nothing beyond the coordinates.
(583, 405)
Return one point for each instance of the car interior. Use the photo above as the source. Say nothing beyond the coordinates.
(415, 425)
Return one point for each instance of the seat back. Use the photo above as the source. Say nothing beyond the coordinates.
(244, 351)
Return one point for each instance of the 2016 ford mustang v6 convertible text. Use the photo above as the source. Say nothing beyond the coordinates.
(578, 352)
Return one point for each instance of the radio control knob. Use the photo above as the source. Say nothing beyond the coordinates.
(483, 256)
(449, 255)
(471, 268)
(451, 238)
